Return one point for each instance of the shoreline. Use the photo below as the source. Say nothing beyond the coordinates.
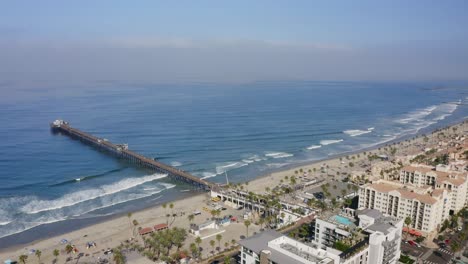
(260, 181)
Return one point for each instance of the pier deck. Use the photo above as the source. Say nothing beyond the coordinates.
(122, 151)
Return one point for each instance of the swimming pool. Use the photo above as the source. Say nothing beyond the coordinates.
(343, 220)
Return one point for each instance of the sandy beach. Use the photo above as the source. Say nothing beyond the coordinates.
(111, 233)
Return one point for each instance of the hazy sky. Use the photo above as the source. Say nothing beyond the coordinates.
(233, 41)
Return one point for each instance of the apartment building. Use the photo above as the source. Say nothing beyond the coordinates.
(378, 242)
(440, 177)
(271, 247)
(427, 207)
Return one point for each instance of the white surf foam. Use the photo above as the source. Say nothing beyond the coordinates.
(167, 185)
(416, 115)
(176, 164)
(206, 175)
(314, 147)
(357, 132)
(329, 142)
(229, 166)
(278, 155)
(37, 206)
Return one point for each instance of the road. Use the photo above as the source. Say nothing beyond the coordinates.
(429, 256)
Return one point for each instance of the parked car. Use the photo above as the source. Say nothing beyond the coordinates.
(411, 242)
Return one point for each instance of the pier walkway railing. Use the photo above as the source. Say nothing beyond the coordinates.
(122, 151)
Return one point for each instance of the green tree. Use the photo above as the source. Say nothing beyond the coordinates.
(407, 223)
(129, 215)
(68, 248)
(227, 260)
(194, 249)
(218, 238)
(23, 258)
(233, 242)
(247, 224)
(191, 217)
(198, 240)
(135, 225)
(38, 255)
(56, 253)
(171, 205)
(212, 244)
(118, 257)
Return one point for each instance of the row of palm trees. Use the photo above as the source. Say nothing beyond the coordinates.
(24, 258)
(158, 245)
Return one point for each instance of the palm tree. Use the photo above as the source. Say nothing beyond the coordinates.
(213, 213)
(261, 221)
(119, 258)
(23, 258)
(226, 245)
(219, 237)
(407, 223)
(56, 253)
(68, 248)
(129, 215)
(38, 255)
(233, 242)
(191, 217)
(135, 224)
(212, 244)
(171, 205)
(198, 240)
(247, 224)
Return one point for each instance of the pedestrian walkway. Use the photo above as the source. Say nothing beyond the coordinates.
(445, 251)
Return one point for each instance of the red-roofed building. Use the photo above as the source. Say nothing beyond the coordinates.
(145, 231)
(160, 227)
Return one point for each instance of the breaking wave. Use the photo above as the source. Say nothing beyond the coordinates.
(314, 147)
(38, 206)
(176, 164)
(357, 132)
(85, 178)
(329, 142)
(278, 155)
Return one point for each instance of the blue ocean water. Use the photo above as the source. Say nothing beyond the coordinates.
(245, 130)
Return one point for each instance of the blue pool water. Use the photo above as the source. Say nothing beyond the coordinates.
(343, 220)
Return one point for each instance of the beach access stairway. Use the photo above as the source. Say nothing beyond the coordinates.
(122, 151)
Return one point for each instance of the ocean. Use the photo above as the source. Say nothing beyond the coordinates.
(49, 181)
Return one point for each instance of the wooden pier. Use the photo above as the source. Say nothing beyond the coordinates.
(122, 151)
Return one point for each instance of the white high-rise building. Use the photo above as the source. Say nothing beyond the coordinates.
(378, 242)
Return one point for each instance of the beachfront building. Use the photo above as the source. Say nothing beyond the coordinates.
(332, 228)
(288, 213)
(440, 177)
(379, 235)
(378, 243)
(273, 247)
(427, 207)
(384, 235)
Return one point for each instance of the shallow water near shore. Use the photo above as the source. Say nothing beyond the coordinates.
(48, 181)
